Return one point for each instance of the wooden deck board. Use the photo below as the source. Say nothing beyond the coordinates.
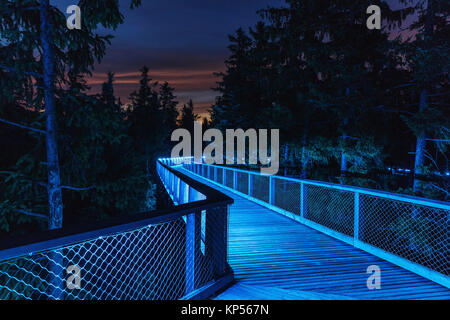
(287, 260)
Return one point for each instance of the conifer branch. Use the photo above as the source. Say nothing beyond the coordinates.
(32, 214)
(78, 189)
(22, 126)
(28, 73)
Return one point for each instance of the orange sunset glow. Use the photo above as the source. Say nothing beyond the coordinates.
(189, 84)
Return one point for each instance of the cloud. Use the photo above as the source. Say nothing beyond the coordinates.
(195, 84)
(181, 42)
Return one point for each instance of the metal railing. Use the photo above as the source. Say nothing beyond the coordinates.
(167, 254)
(408, 231)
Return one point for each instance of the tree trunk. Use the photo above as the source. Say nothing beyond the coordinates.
(55, 218)
(305, 158)
(286, 155)
(420, 146)
(344, 164)
(343, 161)
(421, 137)
(305, 161)
(54, 181)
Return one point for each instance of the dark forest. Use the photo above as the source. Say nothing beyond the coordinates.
(367, 108)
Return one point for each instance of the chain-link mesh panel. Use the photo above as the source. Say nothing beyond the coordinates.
(415, 232)
(204, 170)
(196, 168)
(287, 195)
(242, 182)
(212, 173)
(206, 249)
(260, 187)
(219, 178)
(229, 178)
(331, 208)
(216, 243)
(176, 188)
(147, 263)
(412, 231)
(157, 262)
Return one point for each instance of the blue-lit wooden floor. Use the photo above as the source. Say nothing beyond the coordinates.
(276, 258)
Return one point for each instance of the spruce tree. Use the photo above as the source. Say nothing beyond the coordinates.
(42, 49)
(427, 55)
(188, 117)
(169, 107)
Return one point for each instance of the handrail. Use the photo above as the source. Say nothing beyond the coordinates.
(411, 232)
(51, 239)
(373, 192)
(152, 255)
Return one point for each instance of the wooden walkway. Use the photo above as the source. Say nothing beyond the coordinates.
(276, 258)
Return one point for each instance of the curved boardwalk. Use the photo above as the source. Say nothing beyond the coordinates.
(274, 257)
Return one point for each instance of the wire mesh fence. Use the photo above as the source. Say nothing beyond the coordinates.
(331, 208)
(260, 188)
(229, 178)
(219, 177)
(146, 263)
(156, 261)
(287, 195)
(242, 182)
(412, 228)
(415, 232)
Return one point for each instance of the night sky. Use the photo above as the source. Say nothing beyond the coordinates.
(182, 42)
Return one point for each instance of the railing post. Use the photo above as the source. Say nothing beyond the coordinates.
(178, 188)
(193, 229)
(185, 197)
(356, 217)
(215, 174)
(174, 188)
(166, 177)
(224, 176)
(271, 190)
(182, 192)
(216, 240)
(193, 195)
(235, 180)
(250, 184)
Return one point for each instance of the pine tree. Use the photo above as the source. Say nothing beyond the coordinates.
(232, 107)
(169, 107)
(301, 72)
(147, 119)
(188, 117)
(47, 60)
(426, 56)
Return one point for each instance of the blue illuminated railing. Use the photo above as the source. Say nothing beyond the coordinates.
(178, 253)
(411, 232)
